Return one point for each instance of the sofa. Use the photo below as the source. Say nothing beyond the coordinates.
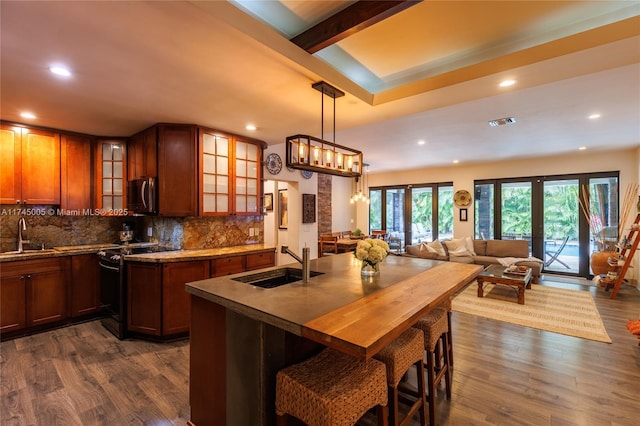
(480, 252)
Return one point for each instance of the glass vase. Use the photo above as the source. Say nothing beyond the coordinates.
(369, 269)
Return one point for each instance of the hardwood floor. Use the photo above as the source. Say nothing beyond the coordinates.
(503, 375)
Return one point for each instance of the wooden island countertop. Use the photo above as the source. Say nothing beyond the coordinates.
(239, 331)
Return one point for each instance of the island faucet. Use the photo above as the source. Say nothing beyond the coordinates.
(306, 272)
(22, 226)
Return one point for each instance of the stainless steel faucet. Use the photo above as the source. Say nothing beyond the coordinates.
(22, 226)
(306, 271)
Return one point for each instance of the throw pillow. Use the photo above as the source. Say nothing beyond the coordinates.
(460, 247)
(434, 247)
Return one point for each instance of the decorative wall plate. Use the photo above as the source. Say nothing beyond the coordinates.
(306, 174)
(462, 198)
(274, 163)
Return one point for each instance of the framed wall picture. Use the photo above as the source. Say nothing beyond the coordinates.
(308, 208)
(268, 202)
(463, 215)
(283, 209)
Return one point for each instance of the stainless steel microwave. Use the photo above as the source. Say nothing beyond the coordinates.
(143, 195)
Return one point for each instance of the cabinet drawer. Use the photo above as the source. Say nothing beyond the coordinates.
(260, 260)
(228, 265)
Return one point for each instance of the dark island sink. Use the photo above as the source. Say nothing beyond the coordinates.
(274, 278)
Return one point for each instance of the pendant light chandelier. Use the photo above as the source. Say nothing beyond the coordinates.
(318, 155)
(361, 189)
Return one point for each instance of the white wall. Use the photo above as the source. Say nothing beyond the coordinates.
(343, 214)
(297, 235)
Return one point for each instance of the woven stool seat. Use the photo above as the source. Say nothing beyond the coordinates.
(398, 357)
(435, 328)
(331, 389)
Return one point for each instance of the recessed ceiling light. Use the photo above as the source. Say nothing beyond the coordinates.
(456, 161)
(421, 142)
(250, 127)
(582, 148)
(594, 116)
(60, 70)
(28, 115)
(507, 83)
(502, 121)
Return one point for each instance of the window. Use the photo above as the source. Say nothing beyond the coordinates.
(545, 211)
(412, 214)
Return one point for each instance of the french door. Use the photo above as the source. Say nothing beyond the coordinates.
(414, 214)
(547, 212)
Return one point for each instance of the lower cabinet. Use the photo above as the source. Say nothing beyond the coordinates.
(85, 285)
(32, 293)
(13, 312)
(158, 304)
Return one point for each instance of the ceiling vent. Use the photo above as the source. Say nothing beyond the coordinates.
(502, 121)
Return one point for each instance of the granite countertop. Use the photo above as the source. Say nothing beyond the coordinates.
(197, 254)
(161, 257)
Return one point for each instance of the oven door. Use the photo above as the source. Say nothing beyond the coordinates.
(111, 287)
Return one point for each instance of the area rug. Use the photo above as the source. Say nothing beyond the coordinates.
(570, 312)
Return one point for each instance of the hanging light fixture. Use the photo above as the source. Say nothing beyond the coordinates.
(318, 155)
(361, 189)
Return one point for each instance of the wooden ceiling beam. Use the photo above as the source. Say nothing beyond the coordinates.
(348, 21)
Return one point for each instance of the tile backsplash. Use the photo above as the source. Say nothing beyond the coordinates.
(177, 232)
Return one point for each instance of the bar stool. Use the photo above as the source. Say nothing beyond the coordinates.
(331, 389)
(398, 357)
(434, 326)
(447, 305)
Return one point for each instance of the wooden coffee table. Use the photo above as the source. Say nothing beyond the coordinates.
(496, 274)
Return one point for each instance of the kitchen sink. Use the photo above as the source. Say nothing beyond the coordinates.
(275, 278)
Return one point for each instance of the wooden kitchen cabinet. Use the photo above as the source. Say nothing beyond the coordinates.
(34, 292)
(142, 151)
(77, 183)
(230, 174)
(84, 285)
(176, 303)
(177, 170)
(144, 298)
(157, 304)
(260, 260)
(242, 262)
(110, 176)
(228, 265)
(13, 312)
(30, 172)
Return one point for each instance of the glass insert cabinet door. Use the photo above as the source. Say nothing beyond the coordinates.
(111, 175)
(246, 191)
(215, 160)
(230, 175)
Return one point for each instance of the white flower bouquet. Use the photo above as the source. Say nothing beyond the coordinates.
(371, 252)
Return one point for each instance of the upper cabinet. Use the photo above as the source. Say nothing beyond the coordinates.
(111, 156)
(230, 174)
(177, 171)
(142, 154)
(77, 180)
(30, 172)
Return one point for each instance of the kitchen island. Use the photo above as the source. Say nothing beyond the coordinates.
(241, 335)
